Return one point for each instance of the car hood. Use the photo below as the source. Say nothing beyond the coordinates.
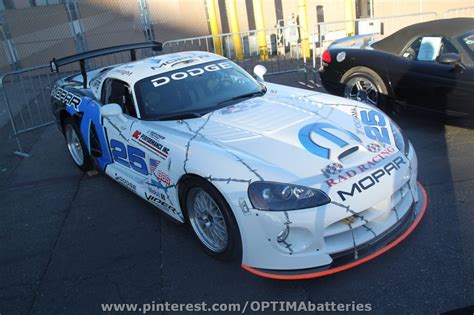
(300, 134)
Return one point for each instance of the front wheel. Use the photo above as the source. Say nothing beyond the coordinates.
(211, 220)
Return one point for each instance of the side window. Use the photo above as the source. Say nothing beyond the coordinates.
(115, 91)
(412, 51)
(447, 47)
(428, 48)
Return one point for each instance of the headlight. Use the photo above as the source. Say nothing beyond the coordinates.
(280, 197)
(401, 142)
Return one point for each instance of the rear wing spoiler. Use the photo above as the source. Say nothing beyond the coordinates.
(55, 64)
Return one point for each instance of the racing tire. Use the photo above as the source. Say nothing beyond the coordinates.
(365, 85)
(211, 219)
(75, 145)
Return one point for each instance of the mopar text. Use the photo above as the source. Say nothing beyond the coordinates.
(372, 179)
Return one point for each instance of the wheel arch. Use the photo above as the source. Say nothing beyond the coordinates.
(64, 114)
(181, 189)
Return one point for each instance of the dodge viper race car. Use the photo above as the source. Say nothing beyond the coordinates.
(427, 65)
(296, 184)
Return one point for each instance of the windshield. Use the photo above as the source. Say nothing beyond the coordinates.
(467, 40)
(194, 91)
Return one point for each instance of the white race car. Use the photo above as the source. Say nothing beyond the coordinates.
(295, 183)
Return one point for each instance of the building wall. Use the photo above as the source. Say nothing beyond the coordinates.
(42, 32)
(390, 7)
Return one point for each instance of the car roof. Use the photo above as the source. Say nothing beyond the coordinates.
(449, 28)
(135, 71)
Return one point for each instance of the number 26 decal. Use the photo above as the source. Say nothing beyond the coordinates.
(375, 126)
(129, 156)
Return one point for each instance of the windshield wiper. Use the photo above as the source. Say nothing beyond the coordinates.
(246, 95)
(179, 116)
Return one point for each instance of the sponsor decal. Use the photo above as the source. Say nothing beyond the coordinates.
(160, 188)
(160, 203)
(153, 165)
(357, 122)
(95, 83)
(370, 164)
(162, 177)
(157, 193)
(372, 124)
(375, 125)
(157, 184)
(159, 174)
(123, 72)
(307, 133)
(156, 135)
(160, 81)
(151, 143)
(67, 98)
(158, 60)
(129, 156)
(332, 169)
(372, 179)
(374, 147)
(125, 182)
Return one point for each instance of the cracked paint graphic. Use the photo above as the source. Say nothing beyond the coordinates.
(117, 128)
(196, 134)
(287, 224)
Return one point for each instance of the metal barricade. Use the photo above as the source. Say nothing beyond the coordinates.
(283, 51)
(26, 93)
(459, 12)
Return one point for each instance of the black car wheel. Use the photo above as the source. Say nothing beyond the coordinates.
(364, 85)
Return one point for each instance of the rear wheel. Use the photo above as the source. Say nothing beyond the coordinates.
(364, 85)
(75, 145)
(211, 219)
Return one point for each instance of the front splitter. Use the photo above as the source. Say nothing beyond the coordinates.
(419, 211)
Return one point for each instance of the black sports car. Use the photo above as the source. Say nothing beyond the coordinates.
(428, 65)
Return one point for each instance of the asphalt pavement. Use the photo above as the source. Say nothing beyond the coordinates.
(70, 242)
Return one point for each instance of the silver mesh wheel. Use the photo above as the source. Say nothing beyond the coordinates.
(207, 220)
(74, 145)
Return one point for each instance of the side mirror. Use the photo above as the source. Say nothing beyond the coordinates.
(259, 72)
(111, 110)
(450, 59)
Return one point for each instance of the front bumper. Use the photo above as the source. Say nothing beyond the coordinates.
(360, 254)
